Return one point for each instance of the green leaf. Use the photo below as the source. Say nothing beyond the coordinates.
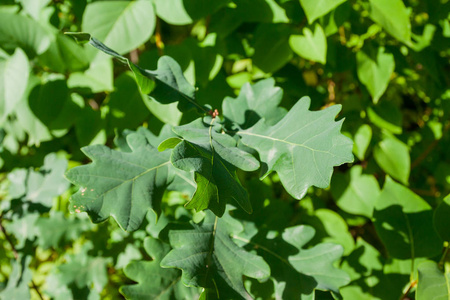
(57, 230)
(125, 105)
(79, 271)
(180, 12)
(98, 78)
(316, 262)
(362, 140)
(64, 55)
(214, 158)
(441, 219)
(166, 85)
(404, 222)
(310, 45)
(433, 284)
(375, 70)
(124, 185)
(40, 187)
(393, 17)
(154, 282)
(123, 25)
(316, 9)
(272, 49)
(209, 258)
(354, 192)
(20, 277)
(302, 148)
(392, 155)
(254, 102)
(386, 115)
(14, 73)
(20, 31)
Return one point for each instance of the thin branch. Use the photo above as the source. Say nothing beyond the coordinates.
(412, 284)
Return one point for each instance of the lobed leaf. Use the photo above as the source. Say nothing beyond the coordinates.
(209, 258)
(124, 185)
(302, 148)
(214, 158)
(154, 282)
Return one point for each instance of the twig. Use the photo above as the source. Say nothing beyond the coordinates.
(16, 254)
(412, 284)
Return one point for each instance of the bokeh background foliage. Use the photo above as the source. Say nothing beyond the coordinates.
(385, 61)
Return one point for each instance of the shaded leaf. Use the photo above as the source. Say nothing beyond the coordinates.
(209, 258)
(214, 158)
(441, 219)
(254, 102)
(302, 148)
(154, 282)
(404, 223)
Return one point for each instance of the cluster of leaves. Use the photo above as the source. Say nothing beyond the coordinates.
(200, 149)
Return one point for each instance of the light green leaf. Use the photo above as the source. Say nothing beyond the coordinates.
(404, 222)
(180, 12)
(98, 78)
(154, 282)
(302, 148)
(79, 270)
(441, 219)
(316, 9)
(392, 155)
(214, 158)
(310, 45)
(393, 16)
(34, 7)
(40, 187)
(209, 258)
(433, 283)
(17, 286)
(20, 31)
(57, 230)
(254, 102)
(64, 55)
(124, 185)
(375, 70)
(123, 25)
(316, 262)
(355, 193)
(14, 73)
(362, 140)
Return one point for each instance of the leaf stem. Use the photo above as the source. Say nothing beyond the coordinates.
(444, 255)
(16, 254)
